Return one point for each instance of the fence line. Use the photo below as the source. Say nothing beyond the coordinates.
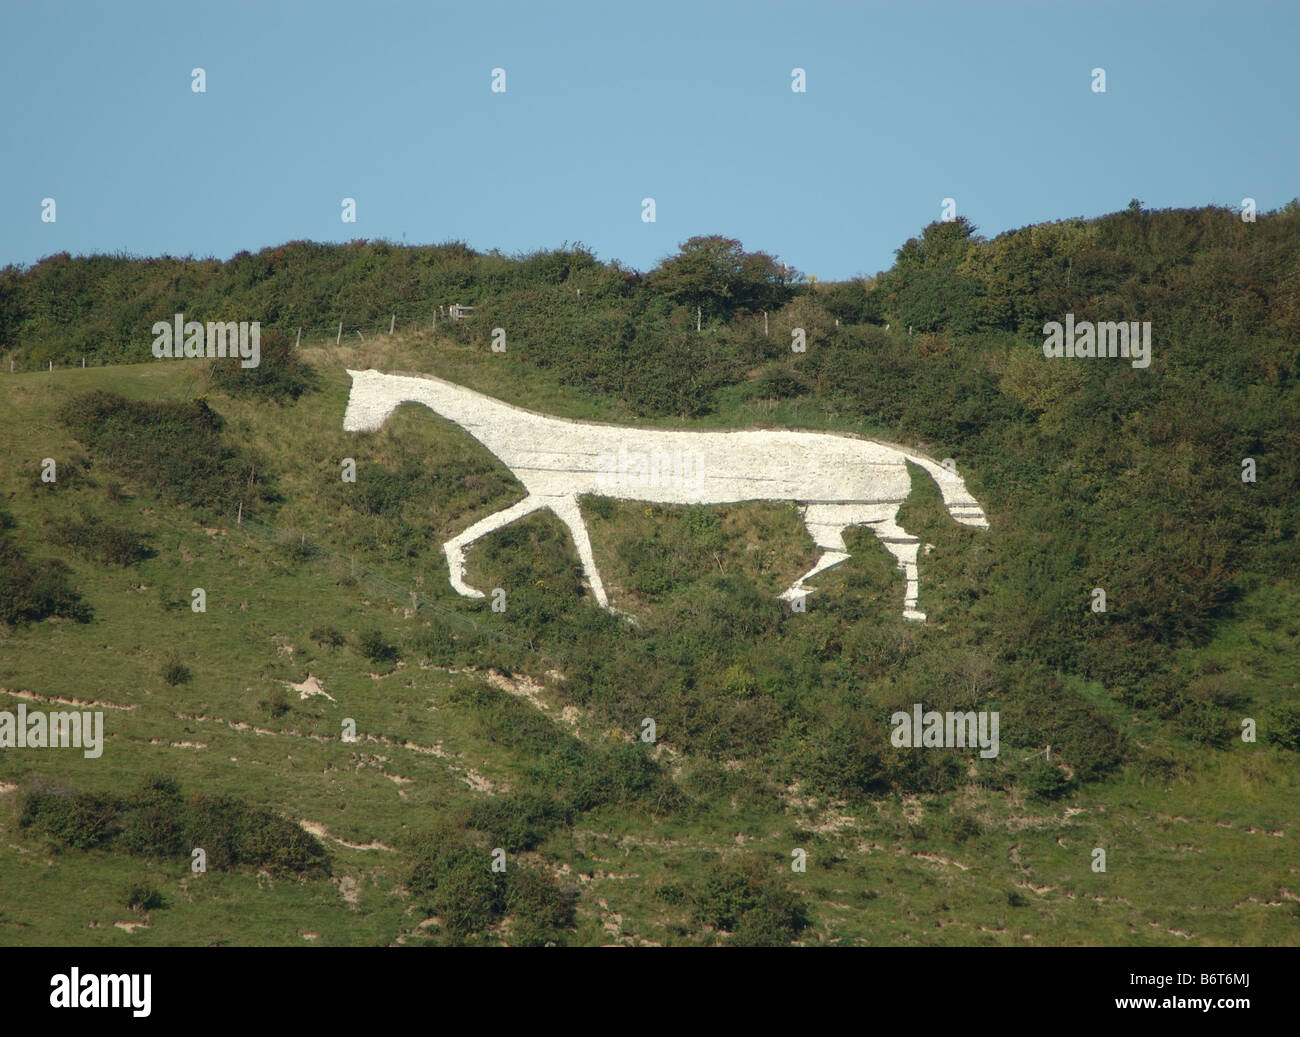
(304, 335)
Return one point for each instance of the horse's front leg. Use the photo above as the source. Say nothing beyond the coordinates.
(455, 547)
(571, 515)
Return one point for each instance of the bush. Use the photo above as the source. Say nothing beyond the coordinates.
(965, 826)
(156, 821)
(1045, 779)
(518, 821)
(372, 645)
(152, 822)
(440, 643)
(453, 881)
(328, 637)
(176, 449)
(452, 878)
(280, 375)
(1282, 727)
(33, 591)
(297, 548)
(276, 703)
(144, 898)
(81, 820)
(101, 541)
(175, 672)
(1204, 724)
(232, 834)
(539, 908)
(742, 897)
(266, 840)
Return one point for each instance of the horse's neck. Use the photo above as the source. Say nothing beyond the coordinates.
(498, 426)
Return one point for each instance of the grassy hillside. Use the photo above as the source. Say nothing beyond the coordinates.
(519, 729)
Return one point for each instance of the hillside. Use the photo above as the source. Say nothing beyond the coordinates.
(521, 729)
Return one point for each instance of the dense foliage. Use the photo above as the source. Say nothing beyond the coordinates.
(157, 821)
(1094, 474)
(178, 450)
(34, 590)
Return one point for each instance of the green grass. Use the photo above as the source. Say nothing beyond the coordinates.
(1191, 852)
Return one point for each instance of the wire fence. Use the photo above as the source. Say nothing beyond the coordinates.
(305, 336)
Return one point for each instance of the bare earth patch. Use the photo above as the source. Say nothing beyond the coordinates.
(309, 687)
(31, 696)
(321, 832)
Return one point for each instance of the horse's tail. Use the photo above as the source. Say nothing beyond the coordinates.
(961, 505)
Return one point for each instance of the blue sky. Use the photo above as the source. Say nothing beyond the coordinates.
(608, 103)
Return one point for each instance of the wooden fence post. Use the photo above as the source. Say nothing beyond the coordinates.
(299, 342)
(392, 323)
(339, 338)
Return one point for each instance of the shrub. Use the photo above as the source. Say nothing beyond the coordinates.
(78, 819)
(1045, 779)
(329, 637)
(70, 474)
(143, 898)
(157, 821)
(965, 826)
(1282, 727)
(175, 672)
(33, 591)
(435, 643)
(539, 908)
(280, 375)
(177, 449)
(276, 703)
(1203, 723)
(232, 833)
(297, 548)
(373, 646)
(452, 878)
(518, 821)
(152, 822)
(101, 541)
(266, 840)
(741, 896)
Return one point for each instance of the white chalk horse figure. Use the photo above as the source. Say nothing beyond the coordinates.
(839, 480)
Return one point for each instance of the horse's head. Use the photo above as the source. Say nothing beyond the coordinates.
(368, 404)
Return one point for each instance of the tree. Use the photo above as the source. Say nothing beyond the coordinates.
(720, 277)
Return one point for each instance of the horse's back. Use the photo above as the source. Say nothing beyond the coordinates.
(674, 466)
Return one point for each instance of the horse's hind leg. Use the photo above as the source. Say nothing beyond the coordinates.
(902, 545)
(454, 548)
(825, 524)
